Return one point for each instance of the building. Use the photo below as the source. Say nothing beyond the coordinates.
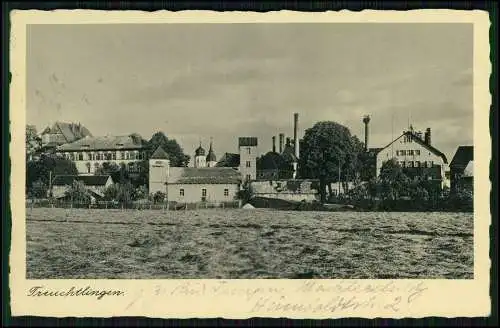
(202, 160)
(159, 165)
(462, 169)
(210, 184)
(63, 133)
(95, 184)
(211, 159)
(415, 155)
(247, 147)
(286, 189)
(90, 153)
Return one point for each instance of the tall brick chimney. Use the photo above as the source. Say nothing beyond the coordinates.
(427, 136)
(282, 142)
(296, 134)
(274, 144)
(366, 121)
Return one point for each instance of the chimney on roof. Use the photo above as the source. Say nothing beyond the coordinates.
(274, 144)
(282, 141)
(427, 136)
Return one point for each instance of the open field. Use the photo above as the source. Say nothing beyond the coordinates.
(93, 244)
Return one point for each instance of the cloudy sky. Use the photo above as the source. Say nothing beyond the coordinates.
(197, 81)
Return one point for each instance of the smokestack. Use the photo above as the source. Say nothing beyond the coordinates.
(295, 134)
(274, 144)
(366, 120)
(427, 136)
(282, 142)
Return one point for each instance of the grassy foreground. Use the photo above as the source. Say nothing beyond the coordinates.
(230, 244)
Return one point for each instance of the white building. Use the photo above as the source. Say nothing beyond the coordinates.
(414, 153)
(90, 153)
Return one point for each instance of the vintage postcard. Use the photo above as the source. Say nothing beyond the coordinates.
(235, 164)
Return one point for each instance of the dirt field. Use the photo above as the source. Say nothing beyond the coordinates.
(230, 244)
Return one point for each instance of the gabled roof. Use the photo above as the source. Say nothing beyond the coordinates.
(104, 143)
(159, 153)
(70, 131)
(229, 160)
(420, 142)
(210, 175)
(463, 156)
(88, 180)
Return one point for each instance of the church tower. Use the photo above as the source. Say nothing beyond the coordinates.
(199, 157)
(159, 165)
(211, 159)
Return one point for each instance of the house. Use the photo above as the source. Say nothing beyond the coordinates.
(95, 184)
(192, 184)
(462, 168)
(416, 155)
(62, 133)
(89, 153)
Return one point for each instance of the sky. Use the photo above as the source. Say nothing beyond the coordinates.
(200, 81)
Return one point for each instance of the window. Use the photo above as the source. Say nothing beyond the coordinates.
(249, 150)
(397, 152)
(88, 167)
(410, 164)
(402, 164)
(181, 192)
(410, 152)
(80, 156)
(113, 156)
(248, 163)
(417, 152)
(122, 155)
(226, 192)
(417, 163)
(248, 177)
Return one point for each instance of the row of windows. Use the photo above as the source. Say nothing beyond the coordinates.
(203, 192)
(408, 152)
(107, 156)
(416, 164)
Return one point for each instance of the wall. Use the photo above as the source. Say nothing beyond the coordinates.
(296, 190)
(400, 144)
(248, 153)
(158, 173)
(193, 192)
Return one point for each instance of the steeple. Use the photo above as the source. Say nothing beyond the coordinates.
(211, 158)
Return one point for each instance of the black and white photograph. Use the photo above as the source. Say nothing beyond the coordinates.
(299, 151)
(249, 151)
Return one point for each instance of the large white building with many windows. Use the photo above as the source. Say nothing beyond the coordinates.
(90, 153)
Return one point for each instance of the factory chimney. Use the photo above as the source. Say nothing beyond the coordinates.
(274, 144)
(366, 120)
(282, 142)
(427, 136)
(296, 134)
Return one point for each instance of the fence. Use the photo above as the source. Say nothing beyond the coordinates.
(172, 206)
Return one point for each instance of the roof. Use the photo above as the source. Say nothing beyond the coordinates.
(418, 140)
(199, 151)
(88, 180)
(211, 155)
(469, 170)
(463, 156)
(247, 141)
(159, 153)
(70, 131)
(210, 175)
(104, 143)
(229, 160)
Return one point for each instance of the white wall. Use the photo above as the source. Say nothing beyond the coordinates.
(193, 192)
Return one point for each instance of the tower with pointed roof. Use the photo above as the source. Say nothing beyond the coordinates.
(200, 159)
(211, 158)
(159, 166)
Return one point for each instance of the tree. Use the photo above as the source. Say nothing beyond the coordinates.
(39, 189)
(326, 148)
(171, 147)
(33, 141)
(141, 192)
(47, 165)
(78, 192)
(109, 168)
(393, 182)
